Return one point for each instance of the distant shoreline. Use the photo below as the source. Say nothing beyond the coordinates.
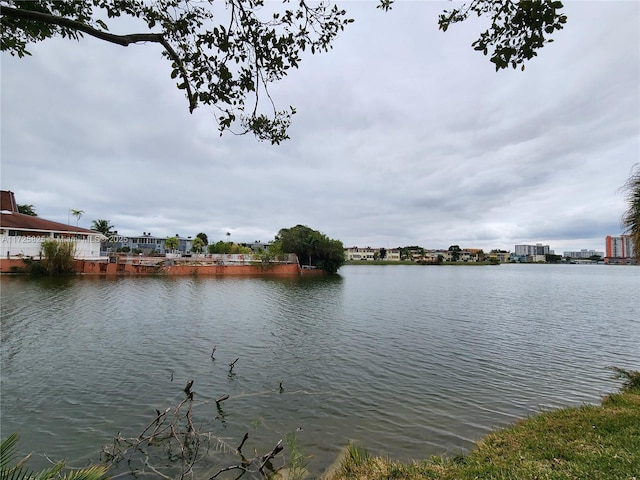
(458, 264)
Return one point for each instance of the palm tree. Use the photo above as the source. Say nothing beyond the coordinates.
(77, 214)
(309, 245)
(631, 218)
(9, 468)
(103, 226)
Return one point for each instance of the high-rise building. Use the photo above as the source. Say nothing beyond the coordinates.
(537, 249)
(619, 249)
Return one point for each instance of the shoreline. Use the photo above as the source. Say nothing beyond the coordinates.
(149, 266)
(588, 441)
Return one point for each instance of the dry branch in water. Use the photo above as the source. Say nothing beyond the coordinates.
(172, 444)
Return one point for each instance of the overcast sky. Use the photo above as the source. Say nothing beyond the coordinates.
(404, 135)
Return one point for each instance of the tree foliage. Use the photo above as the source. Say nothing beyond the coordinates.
(517, 31)
(78, 214)
(197, 245)
(57, 257)
(631, 217)
(171, 243)
(27, 210)
(226, 54)
(224, 57)
(203, 236)
(221, 247)
(312, 247)
(103, 226)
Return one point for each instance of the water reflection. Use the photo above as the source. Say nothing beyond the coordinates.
(409, 361)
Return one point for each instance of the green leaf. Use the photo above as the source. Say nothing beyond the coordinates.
(102, 24)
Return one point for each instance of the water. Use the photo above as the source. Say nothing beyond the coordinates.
(408, 361)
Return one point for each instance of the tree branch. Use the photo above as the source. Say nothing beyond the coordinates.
(123, 40)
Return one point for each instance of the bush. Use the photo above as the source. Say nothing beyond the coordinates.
(34, 267)
(57, 257)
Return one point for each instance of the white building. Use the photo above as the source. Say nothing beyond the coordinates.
(584, 253)
(532, 250)
(370, 254)
(22, 235)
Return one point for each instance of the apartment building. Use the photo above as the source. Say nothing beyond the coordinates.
(370, 254)
(583, 254)
(146, 243)
(532, 250)
(619, 250)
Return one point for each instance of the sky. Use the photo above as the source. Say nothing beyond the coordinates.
(404, 136)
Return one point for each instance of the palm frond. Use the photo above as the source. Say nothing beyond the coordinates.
(11, 470)
(95, 472)
(631, 217)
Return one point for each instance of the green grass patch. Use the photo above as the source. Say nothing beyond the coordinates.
(586, 442)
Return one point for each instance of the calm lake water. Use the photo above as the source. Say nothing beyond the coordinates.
(408, 361)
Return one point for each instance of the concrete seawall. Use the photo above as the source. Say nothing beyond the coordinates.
(103, 267)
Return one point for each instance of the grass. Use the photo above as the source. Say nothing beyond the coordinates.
(297, 466)
(586, 442)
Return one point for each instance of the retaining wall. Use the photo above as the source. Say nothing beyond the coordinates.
(97, 267)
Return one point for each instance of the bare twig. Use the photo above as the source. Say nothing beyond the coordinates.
(232, 467)
(244, 439)
(233, 364)
(277, 449)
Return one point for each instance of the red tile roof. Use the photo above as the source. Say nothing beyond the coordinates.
(22, 221)
(10, 218)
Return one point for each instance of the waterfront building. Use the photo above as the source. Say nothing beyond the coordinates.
(256, 246)
(619, 250)
(146, 244)
(583, 254)
(370, 254)
(501, 256)
(21, 236)
(532, 250)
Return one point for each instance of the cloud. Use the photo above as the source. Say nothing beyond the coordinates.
(404, 135)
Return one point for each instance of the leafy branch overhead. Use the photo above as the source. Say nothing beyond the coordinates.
(226, 54)
(222, 55)
(517, 29)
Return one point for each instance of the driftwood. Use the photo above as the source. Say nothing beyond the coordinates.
(266, 458)
(172, 443)
(260, 461)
